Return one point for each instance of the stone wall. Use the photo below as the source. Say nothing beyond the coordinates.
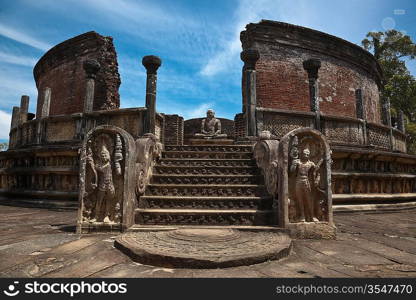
(46, 173)
(365, 176)
(174, 129)
(282, 82)
(60, 75)
(70, 129)
(339, 130)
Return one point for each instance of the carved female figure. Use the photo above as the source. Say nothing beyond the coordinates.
(103, 184)
(306, 178)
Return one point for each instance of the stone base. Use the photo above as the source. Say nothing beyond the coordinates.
(99, 227)
(247, 140)
(204, 248)
(316, 231)
(210, 141)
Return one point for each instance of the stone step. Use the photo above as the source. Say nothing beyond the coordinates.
(214, 190)
(207, 155)
(206, 179)
(210, 148)
(247, 217)
(202, 162)
(187, 202)
(201, 170)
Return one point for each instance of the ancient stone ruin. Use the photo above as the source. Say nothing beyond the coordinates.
(312, 138)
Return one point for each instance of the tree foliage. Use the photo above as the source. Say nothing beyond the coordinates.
(391, 49)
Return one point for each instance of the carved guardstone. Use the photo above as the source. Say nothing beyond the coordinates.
(107, 174)
(305, 197)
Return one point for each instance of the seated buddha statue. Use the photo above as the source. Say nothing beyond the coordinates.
(211, 127)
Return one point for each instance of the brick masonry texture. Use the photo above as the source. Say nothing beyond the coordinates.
(61, 69)
(282, 83)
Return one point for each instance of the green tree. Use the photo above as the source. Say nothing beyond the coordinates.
(391, 48)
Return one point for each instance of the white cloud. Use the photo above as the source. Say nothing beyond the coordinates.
(23, 38)
(17, 60)
(249, 11)
(5, 120)
(197, 112)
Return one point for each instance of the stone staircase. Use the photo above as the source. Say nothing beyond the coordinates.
(206, 185)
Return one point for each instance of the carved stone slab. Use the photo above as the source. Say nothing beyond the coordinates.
(107, 180)
(304, 184)
(204, 248)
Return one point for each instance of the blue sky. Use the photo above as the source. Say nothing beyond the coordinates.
(198, 42)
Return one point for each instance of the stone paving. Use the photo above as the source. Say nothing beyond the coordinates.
(38, 242)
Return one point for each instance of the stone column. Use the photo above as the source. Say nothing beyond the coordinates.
(250, 57)
(24, 109)
(46, 102)
(387, 117)
(312, 67)
(15, 117)
(91, 67)
(151, 63)
(401, 121)
(359, 104)
(360, 113)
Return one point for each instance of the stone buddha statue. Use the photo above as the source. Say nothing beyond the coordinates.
(211, 127)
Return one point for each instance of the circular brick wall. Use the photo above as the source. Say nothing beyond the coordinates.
(61, 70)
(282, 83)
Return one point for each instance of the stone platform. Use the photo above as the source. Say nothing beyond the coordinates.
(210, 141)
(204, 248)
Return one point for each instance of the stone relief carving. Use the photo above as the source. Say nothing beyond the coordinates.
(304, 185)
(149, 150)
(107, 174)
(102, 185)
(265, 153)
(306, 191)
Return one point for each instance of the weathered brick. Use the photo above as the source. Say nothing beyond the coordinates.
(282, 83)
(61, 70)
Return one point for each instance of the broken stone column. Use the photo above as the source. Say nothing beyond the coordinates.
(151, 63)
(250, 57)
(46, 103)
(91, 67)
(360, 113)
(359, 104)
(387, 119)
(401, 121)
(15, 117)
(24, 109)
(312, 67)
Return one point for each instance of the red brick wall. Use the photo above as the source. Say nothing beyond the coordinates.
(61, 69)
(282, 83)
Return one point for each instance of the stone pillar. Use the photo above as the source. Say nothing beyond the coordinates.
(312, 67)
(151, 63)
(46, 104)
(91, 67)
(359, 104)
(24, 109)
(250, 57)
(401, 121)
(385, 110)
(360, 113)
(387, 117)
(15, 117)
